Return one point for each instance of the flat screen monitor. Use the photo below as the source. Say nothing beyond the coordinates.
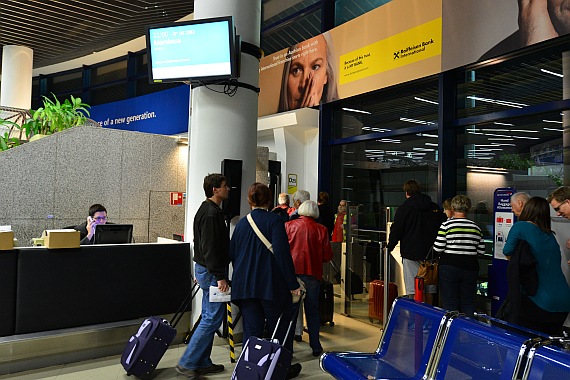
(196, 50)
(113, 234)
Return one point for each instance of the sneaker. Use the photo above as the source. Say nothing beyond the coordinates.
(214, 368)
(298, 338)
(318, 352)
(189, 373)
(293, 371)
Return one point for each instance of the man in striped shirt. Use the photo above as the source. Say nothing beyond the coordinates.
(459, 241)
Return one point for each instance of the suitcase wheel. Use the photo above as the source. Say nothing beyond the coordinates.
(331, 323)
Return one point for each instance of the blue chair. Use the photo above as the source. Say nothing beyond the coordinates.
(475, 350)
(547, 362)
(405, 349)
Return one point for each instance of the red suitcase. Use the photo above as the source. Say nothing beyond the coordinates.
(376, 300)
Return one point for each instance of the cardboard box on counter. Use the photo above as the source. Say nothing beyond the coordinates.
(6, 240)
(56, 239)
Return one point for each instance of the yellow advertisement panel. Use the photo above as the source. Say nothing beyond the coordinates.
(413, 45)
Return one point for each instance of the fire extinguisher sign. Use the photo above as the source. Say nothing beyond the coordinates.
(504, 219)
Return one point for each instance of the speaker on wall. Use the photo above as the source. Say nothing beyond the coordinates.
(231, 169)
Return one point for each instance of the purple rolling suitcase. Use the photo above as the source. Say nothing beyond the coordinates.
(264, 359)
(145, 349)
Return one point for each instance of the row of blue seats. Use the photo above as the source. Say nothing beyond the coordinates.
(424, 342)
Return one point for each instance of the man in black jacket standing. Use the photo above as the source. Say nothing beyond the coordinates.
(415, 226)
(211, 254)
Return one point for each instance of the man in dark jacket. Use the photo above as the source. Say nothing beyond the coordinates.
(211, 254)
(415, 226)
(283, 209)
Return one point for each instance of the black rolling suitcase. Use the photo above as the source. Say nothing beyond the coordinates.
(262, 359)
(326, 303)
(145, 349)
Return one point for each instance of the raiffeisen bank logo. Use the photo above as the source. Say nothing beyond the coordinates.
(413, 49)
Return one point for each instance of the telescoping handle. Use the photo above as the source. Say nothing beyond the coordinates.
(187, 301)
(386, 285)
(293, 319)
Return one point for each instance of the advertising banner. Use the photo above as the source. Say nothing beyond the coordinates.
(164, 112)
(394, 43)
(400, 41)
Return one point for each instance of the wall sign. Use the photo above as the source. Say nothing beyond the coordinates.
(292, 183)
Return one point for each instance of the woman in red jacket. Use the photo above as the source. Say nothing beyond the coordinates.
(310, 248)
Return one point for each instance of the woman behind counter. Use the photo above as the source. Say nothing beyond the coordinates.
(547, 310)
(263, 281)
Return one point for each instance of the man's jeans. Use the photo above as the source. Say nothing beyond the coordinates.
(311, 302)
(197, 354)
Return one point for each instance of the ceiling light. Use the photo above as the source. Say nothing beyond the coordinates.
(510, 125)
(416, 121)
(524, 130)
(491, 138)
(431, 144)
(358, 111)
(553, 129)
(500, 102)
(426, 135)
(425, 100)
(424, 149)
(495, 130)
(552, 73)
(553, 121)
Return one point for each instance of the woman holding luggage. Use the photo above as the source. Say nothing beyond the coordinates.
(263, 280)
(310, 248)
(547, 309)
(459, 240)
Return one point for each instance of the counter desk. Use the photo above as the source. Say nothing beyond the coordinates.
(51, 289)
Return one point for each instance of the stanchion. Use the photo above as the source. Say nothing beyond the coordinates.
(419, 324)
(231, 334)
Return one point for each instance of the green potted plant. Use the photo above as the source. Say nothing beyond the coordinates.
(55, 116)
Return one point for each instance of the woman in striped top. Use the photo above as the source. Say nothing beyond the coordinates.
(459, 240)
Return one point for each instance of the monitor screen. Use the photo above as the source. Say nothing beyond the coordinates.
(191, 50)
(113, 234)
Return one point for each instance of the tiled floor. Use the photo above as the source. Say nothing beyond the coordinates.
(347, 334)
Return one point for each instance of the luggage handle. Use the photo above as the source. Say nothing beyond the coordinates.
(294, 319)
(187, 301)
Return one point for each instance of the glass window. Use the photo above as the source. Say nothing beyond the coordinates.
(532, 79)
(109, 73)
(66, 82)
(346, 10)
(370, 174)
(281, 36)
(388, 110)
(523, 153)
(109, 94)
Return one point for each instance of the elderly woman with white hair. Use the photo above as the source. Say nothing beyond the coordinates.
(310, 248)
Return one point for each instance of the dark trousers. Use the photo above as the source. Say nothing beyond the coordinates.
(313, 287)
(458, 288)
(256, 312)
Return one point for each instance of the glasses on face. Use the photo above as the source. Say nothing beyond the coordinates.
(100, 218)
(557, 209)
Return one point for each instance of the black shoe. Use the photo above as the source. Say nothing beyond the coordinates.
(293, 371)
(214, 368)
(298, 338)
(318, 352)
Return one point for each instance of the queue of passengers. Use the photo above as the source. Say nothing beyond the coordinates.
(539, 295)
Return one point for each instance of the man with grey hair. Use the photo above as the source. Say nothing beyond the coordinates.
(299, 197)
(283, 208)
(518, 201)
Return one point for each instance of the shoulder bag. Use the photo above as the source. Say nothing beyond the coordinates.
(428, 270)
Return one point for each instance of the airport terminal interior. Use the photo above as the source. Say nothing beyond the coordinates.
(482, 116)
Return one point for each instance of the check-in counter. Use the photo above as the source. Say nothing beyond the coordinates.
(51, 289)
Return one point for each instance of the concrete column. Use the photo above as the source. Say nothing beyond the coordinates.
(223, 126)
(16, 85)
(566, 116)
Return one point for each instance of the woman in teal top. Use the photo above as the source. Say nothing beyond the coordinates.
(546, 311)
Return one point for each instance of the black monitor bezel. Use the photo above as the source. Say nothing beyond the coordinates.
(232, 44)
(101, 228)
